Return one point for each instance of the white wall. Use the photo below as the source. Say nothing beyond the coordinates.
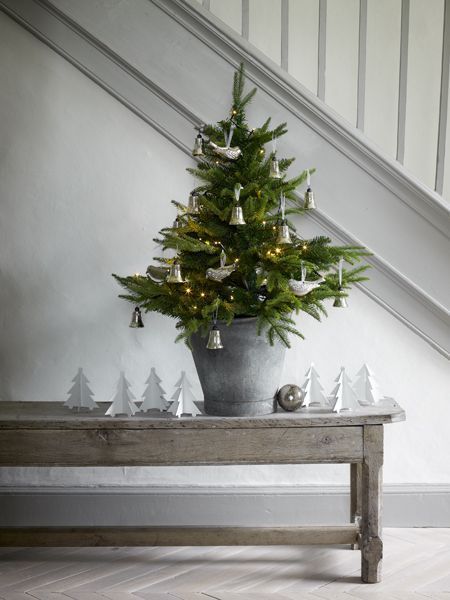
(84, 187)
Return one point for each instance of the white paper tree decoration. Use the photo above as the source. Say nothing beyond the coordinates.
(366, 387)
(80, 395)
(343, 397)
(153, 396)
(183, 399)
(122, 401)
(314, 396)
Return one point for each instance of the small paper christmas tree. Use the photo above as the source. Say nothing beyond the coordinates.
(314, 396)
(153, 396)
(343, 397)
(366, 387)
(80, 395)
(183, 399)
(122, 401)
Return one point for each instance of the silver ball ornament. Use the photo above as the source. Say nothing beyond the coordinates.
(290, 397)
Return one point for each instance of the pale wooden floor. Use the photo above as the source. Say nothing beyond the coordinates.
(416, 566)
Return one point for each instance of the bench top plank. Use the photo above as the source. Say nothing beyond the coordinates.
(53, 415)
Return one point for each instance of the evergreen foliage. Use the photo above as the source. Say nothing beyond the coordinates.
(259, 286)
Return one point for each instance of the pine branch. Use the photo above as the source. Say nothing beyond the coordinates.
(261, 263)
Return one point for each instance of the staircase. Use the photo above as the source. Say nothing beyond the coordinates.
(171, 63)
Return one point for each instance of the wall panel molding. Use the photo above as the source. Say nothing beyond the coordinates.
(170, 117)
(443, 104)
(306, 106)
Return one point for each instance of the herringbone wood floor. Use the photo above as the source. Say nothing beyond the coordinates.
(416, 566)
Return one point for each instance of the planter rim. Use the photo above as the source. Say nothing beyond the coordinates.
(237, 320)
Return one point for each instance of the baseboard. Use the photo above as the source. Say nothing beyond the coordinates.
(405, 505)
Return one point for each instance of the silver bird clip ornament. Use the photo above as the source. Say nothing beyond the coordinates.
(221, 272)
(303, 287)
(157, 274)
(227, 151)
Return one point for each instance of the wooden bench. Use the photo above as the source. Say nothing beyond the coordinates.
(48, 434)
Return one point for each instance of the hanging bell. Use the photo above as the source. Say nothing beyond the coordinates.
(309, 199)
(214, 341)
(198, 146)
(136, 318)
(340, 301)
(193, 206)
(274, 169)
(237, 216)
(177, 223)
(284, 237)
(174, 275)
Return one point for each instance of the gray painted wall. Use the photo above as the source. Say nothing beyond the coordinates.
(84, 186)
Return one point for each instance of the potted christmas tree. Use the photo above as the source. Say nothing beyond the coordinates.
(240, 268)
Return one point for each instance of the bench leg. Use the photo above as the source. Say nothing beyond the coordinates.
(371, 504)
(355, 496)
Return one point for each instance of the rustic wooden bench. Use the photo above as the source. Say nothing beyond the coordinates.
(48, 434)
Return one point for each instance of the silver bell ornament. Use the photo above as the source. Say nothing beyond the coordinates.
(274, 169)
(174, 275)
(177, 223)
(214, 341)
(290, 397)
(283, 237)
(237, 216)
(136, 318)
(198, 146)
(193, 205)
(309, 202)
(340, 301)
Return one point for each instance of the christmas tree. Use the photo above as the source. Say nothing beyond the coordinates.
(122, 401)
(366, 387)
(183, 399)
(80, 394)
(237, 253)
(153, 396)
(343, 397)
(314, 395)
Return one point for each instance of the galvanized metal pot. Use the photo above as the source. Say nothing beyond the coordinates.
(242, 378)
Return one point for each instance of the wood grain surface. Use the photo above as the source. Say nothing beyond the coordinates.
(105, 447)
(176, 536)
(53, 415)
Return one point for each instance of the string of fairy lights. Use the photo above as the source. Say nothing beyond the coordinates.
(196, 298)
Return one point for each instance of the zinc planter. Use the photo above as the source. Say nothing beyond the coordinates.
(242, 378)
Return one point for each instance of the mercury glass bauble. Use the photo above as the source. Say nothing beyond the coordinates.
(290, 397)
